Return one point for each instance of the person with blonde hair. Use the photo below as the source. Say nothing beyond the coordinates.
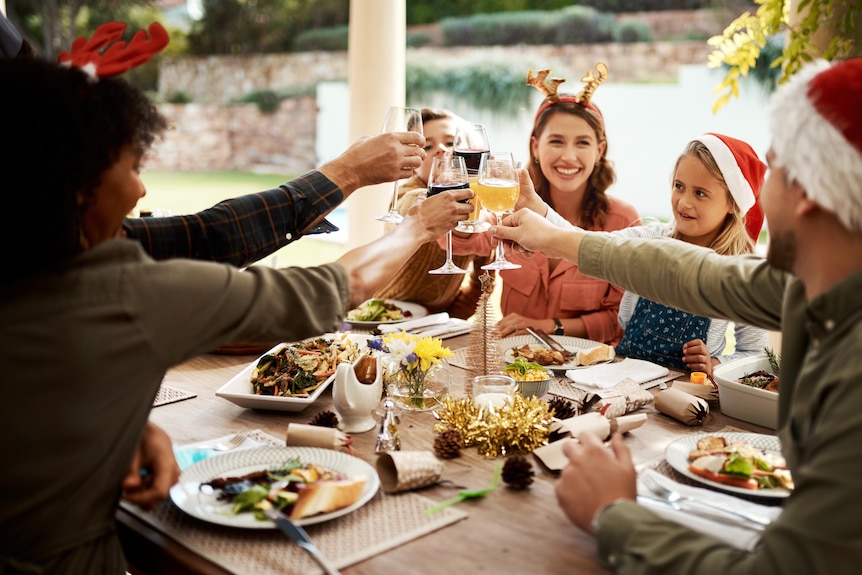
(808, 286)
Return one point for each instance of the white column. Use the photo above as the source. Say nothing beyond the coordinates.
(3, 6)
(376, 64)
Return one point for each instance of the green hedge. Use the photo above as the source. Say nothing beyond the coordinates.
(322, 39)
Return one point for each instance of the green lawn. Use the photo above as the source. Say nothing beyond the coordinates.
(189, 192)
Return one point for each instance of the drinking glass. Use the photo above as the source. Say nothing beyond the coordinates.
(399, 119)
(448, 172)
(498, 190)
(471, 141)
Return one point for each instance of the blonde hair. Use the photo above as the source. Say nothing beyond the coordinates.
(732, 239)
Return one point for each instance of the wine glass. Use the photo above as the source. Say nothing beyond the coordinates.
(471, 141)
(448, 172)
(498, 190)
(399, 119)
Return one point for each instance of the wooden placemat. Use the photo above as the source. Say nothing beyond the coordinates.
(384, 523)
(171, 394)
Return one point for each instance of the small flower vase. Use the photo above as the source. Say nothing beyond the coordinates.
(416, 389)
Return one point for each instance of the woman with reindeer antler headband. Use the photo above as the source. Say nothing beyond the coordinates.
(88, 320)
(570, 171)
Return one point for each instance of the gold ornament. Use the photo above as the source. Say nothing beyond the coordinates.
(519, 426)
(483, 351)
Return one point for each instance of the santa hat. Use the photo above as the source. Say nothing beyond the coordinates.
(816, 122)
(743, 173)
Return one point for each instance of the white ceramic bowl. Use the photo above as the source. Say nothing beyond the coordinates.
(741, 401)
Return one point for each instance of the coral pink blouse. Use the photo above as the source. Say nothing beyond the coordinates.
(566, 293)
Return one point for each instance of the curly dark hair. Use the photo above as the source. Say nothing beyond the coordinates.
(595, 204)
(61, 130)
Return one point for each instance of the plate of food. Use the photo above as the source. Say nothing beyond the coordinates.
(744, 463)
(376, 311)
(584, 352)
(309, 484)
(291, 376)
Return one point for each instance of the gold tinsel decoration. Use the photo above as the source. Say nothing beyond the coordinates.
(519, 426)
(483, 351)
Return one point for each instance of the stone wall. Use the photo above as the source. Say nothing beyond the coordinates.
(214, 134)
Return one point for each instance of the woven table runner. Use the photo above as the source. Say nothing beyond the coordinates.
(170, 394)
(383, 523)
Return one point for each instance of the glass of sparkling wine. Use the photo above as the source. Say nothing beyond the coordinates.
(471, 141)
(448, 172)
(498, 190)
(399, 119)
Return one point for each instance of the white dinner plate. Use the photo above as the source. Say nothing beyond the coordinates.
(240, 391)
(415, 310)
(204, 504)
(676, 454)
(572, 344)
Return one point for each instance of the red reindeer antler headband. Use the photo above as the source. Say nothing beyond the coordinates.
(103, 55)
(549, 87)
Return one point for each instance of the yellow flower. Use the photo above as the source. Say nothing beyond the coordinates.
(429, 351)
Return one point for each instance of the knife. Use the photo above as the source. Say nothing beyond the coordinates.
(714, 516)
(300, 537)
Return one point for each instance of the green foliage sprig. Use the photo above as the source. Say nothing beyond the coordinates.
(739, 46)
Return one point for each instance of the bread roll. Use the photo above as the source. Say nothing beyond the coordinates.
(597, 354)
(325, 496)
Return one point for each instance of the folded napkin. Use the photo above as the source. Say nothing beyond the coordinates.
(452, 328)
(690, 516)
(415, 324)
(610, 374)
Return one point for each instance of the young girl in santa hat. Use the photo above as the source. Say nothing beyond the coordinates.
(715, 185)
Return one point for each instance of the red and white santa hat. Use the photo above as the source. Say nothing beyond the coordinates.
(816, 122)
(743, 173)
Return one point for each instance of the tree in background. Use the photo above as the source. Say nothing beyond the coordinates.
(261, 26)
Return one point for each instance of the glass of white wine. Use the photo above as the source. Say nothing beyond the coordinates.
(498, 191)
(399, 119)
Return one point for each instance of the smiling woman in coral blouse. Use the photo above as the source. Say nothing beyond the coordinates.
(570, 171)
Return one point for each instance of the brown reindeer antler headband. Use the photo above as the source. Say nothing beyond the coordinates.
(103, 55)
(549, 87)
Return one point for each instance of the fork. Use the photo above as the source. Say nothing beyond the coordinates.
(674, 497)
(235, 441)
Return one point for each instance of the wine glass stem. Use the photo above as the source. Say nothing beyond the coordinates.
(449, 247)
(394, 207)
(500, 256)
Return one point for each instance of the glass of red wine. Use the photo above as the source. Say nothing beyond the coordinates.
(471, 141)
(448, 172)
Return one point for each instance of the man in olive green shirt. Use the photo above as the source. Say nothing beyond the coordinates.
(809, 286)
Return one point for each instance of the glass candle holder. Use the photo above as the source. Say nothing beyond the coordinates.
(493, 391)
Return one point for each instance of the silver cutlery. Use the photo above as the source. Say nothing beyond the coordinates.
(300, 537)
(235, 441)
(550, 342)
(674, 498)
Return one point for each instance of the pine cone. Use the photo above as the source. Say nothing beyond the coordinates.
(518, 472)
(561, 407)
(325, 419)
(448, 444)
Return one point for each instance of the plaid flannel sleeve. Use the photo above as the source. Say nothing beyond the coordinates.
(244, 229)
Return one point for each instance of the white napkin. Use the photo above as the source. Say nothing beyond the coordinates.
(737, 536)
(413, 324)
(451, 328)
(610, 374)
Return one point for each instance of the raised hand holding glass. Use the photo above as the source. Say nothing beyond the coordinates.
(399, 119)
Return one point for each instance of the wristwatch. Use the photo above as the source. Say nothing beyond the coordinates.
(559, 329)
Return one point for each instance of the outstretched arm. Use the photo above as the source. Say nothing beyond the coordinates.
(533, 233)
(371, 265)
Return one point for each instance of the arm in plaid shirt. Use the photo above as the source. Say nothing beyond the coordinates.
(245, 229)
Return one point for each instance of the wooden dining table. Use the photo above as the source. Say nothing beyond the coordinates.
(509, 531)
